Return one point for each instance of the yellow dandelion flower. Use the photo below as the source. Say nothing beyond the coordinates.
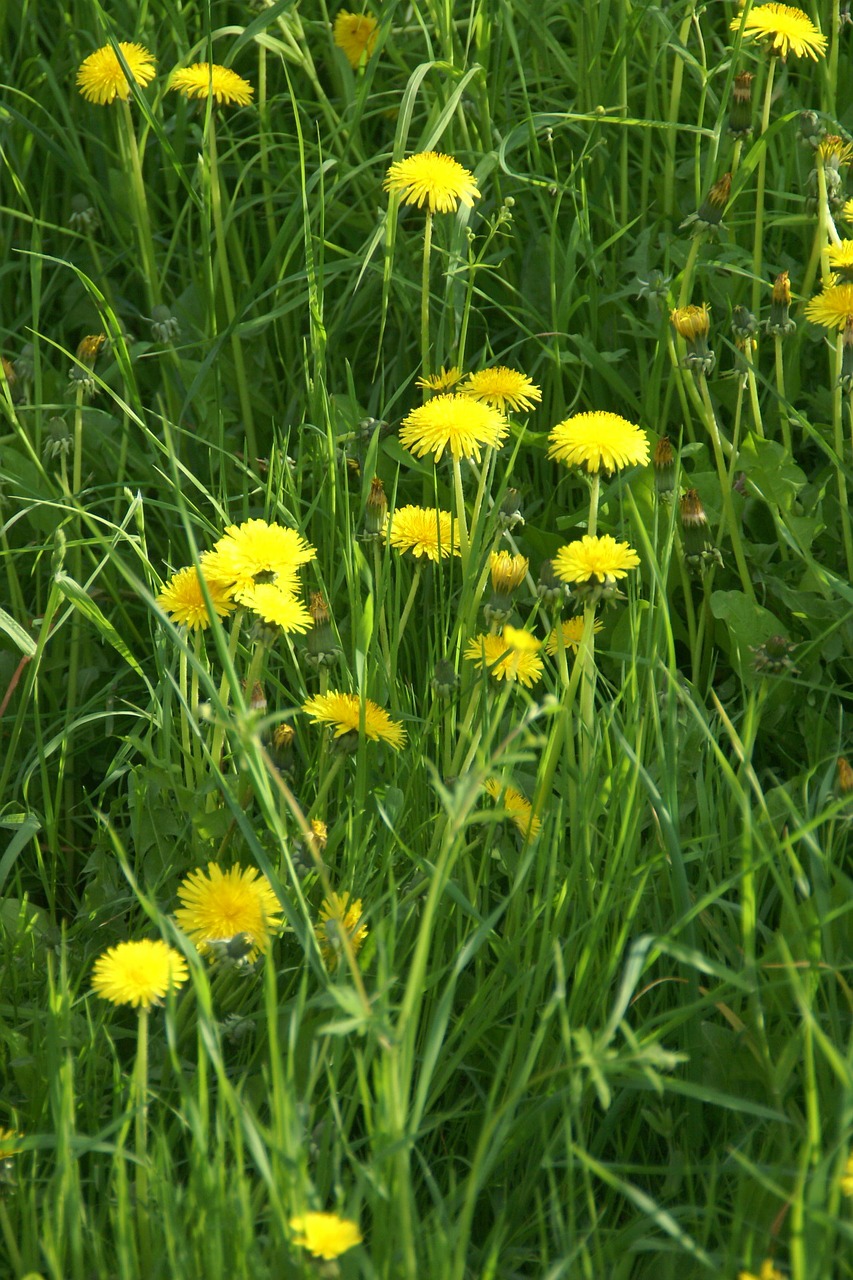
(787, 29)
(507, 571)
(9, 1144)
(343, 711)
(278, 607)
(208, 79)
(434, 180)
(766, 1272)
(324, 1235)
(601, 558)
(355, 35)
(182, 599)
(218, 906)
(572, 630)
(425, 531)
(599, 441)
(257, 551)
(453, 422)
(691, 322)
(840, 259)
(441, 381)
(138, 973)
(518, 808)
(847, 211)
(833, 307)
(101, 77)
(505, 389)
(88, 348)
(508, 656)
(339, 913)
(834, 151)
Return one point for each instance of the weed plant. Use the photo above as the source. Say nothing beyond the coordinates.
(549, 971)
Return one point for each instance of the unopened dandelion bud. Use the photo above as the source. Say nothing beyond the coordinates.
(89, 347)
(551, 590)
(9, 376)
(810, 129)
(693, 324)
(58, 440)
(322, 649)
(509, 512)
(258, 699)
(445, 681)
(507, 573)
(740, 115)
(664, 466)
(375, 511)
(25, 362)
(709, 216)
(780, 322)
(744, 326)
(700, 553)
(773, 658)
(845, 787)
(164, 326)
(83, 217)
(844, 18)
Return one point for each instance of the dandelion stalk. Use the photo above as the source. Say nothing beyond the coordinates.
(139, 1100)
(459, 502)
(728, 521)
(140, 204)
(760, 184)
(426, 366)
(784, 421)
(838, 444)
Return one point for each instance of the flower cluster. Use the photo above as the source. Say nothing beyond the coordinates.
(109, 72)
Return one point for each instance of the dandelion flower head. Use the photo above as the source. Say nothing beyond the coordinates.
(425, 531)
(572, 629)
(257, 551)
(355, 35)
(101, 78)
(507, 657)
(443, 380)
(216, 905)
(840, 258)
(507, 571)
(138, 973)
(434, 180)
(9, 1141)
(518, 807)
(324, 1235)
(766, 1272)
(787, 29)
(277, 606)
(599, 441)
(208, 79)
(182, 599)
(453, 422)
(846, 1183)
(601, 558)
(833, 307)
(505, 389)
(339, 913)
(343, 712)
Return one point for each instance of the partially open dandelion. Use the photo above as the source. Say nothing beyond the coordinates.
(256, 552)
(453, 422)
(594, 565)
(324, 1235)
(519, 809)
(511, 656)
(101, 78)
(343, 713)
(832, 307)
(507, 573)
(138, 973)
(766, 1272)
(219, 905)
(339, 914)
(505, 389)
(183, 600)
(425, 531)
(441, 381)
(785, 28)
(693, 324)
(598, 441)
(846, 1182)
(572, 629)
(355, 35)
(209, 80)
(434, 180)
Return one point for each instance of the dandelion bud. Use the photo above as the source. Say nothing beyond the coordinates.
(58, 440)
(845, 776)
(699, 551)
(258, 700)
(445, 681)
(164, 326)
(283, 739)
(322, 648)
(664, 465)
(740, 115)
(551, 590)
(709, 216)
(9, 375)
(693, 324)
(83, 217)
(89, 347)
(780, 322)
(744, 326)
(375, 511)
(774, 657)
(507, 573)
(25, 363)
(509, 512)
(811, 129)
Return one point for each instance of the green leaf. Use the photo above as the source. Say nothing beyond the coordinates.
(17, 634)
(83, 602)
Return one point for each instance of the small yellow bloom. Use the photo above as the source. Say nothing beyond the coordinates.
(506, 389)
(182, 599)
(847, 211)
(834, 151)
(840, 259)
(355, 35)
(601, 558)
(441, 381)
(847, 1176)
(453, 422)
(324, 1235)
(691, 322)
(343, 712)
(425, 531)
(833, 307)
(217, 906)
(434, 180)
(767, 1272)
(507, 571)
(138, 973)
(256, 551)
(101, 78)
(9, 1141)
(276, 606)
(572, 630)
(511, 656)
(599, 441)
(787, 29)
(519, 809)
(208, 79)
(339, 914)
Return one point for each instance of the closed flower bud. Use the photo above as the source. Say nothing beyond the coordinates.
(322, 648)
(509, 512)
(845, 776)
(664, 465)
(740, 115)
(780, 324)
(810, 129)
(445, 681)
(709, 216)
(693, 324)
(550, 589)
(376, 510)
(89, 347)
(164, 326)
(700, 553)
(283, 739)
(83, 217)
(507, 573)
(774, 657)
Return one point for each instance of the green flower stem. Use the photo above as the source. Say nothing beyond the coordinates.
(224, 691)
(784, 420)
(754, 402)
(728, 521)
(426, 365)
(594, 493)
(10, 1240)
(186, 745)
(384, 643)
(228, 293)
(838, 445)
(263, 142)
(586, 662)
(461, 521)
(142, 221)
(760, 184)
(410, 600)
(672, 115)
(139, 1096)
(688, 272)
(329, 776)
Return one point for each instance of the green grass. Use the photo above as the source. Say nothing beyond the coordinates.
(620, 1049)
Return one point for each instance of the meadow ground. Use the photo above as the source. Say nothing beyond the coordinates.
(425, 640)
